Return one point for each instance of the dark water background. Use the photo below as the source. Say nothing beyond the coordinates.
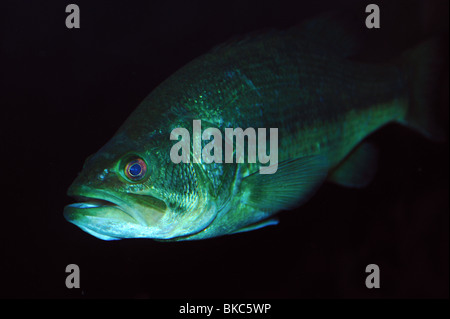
(64, 93)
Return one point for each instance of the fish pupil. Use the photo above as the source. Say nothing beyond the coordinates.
(135, 169)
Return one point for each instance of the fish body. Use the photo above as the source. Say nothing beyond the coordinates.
(323, 104)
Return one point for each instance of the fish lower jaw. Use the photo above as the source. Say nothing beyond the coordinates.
(98, 235)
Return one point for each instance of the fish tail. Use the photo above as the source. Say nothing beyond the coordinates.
(423, 67)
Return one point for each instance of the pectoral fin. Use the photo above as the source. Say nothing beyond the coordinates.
(358, 168)
(294, 182)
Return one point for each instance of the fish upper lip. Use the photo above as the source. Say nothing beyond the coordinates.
(92, 202)
(103, 199)
(95, 195)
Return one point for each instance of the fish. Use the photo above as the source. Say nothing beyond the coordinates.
(303, 81)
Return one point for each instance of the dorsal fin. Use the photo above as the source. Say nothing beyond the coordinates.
(332, 33)
(242, 39)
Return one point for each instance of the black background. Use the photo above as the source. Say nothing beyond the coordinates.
(64, 92)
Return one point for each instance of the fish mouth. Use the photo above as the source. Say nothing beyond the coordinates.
(90, 202)
(98, 207)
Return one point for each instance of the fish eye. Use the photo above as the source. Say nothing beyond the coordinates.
(135, 169)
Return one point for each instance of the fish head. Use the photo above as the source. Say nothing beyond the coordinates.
(129, 191)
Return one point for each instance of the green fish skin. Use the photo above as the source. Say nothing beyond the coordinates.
(300, 81)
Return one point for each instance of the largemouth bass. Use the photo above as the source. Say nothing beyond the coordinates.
(300, 81)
